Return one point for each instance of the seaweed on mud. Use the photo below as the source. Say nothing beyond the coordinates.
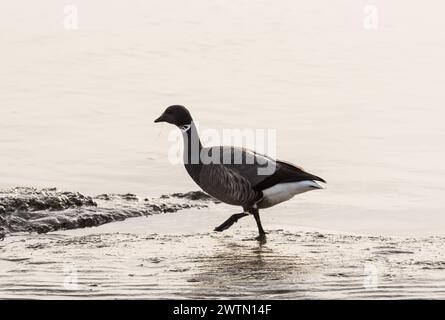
(46, 210)
(192, 195)
(109, 197)
(31, 199)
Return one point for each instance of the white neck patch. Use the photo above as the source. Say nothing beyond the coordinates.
(185, 128)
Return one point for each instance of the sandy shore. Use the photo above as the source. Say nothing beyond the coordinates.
(176, 255)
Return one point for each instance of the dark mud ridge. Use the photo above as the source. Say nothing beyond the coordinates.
(45, 210)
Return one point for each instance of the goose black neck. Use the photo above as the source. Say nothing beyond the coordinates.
(192, 151)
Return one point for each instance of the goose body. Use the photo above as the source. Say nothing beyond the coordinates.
(242, 184)
(238, 176)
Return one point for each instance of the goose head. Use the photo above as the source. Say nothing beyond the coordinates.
(177, 115)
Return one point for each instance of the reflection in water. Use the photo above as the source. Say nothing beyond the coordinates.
(251, 269)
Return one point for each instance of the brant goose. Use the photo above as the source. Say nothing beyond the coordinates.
(233, 175)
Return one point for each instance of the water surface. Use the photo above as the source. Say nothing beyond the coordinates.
(361, 108)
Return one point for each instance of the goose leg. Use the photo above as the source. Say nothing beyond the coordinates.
(262, 233)
(229, 222)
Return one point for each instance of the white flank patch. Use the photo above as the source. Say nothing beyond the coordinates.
(285, 191)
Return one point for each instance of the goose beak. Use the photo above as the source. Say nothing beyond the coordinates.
(160, 119)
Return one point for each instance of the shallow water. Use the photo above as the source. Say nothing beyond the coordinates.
(139, 259)
(121, 246)
(363, 109)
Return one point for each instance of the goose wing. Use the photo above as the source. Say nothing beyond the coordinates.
(286, 172)
(260, 171)
(252, 166)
